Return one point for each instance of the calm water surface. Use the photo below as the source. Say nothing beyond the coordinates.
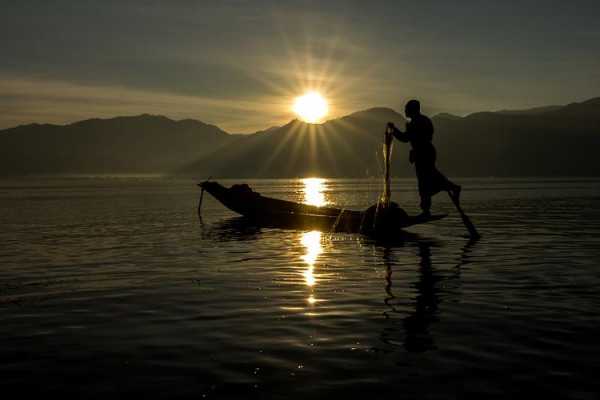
(113, 287)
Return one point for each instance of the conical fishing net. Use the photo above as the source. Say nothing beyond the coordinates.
(388, 144)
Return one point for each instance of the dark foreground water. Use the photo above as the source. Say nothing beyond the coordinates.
(111, 288)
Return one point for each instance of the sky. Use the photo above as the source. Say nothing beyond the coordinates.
(239, 64)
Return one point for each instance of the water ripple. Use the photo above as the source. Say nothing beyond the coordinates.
(108, 285)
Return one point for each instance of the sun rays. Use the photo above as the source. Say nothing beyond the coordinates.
(314, 150)
(312, 63)
(310, 79)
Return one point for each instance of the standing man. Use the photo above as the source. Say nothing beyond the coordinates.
(419, 133)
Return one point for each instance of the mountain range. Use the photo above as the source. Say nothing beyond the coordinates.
(543, 141)
(138, 144)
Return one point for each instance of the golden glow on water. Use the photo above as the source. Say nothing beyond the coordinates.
(309, 276)
(312, 241)
(314, 191)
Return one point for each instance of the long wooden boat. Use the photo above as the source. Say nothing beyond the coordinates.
(268, 211)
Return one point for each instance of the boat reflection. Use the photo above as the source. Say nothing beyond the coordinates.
(230, 229)
(312, 243)
(314, 191)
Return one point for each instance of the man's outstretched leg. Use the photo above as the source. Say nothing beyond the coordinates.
(454, 191)
(448, 186)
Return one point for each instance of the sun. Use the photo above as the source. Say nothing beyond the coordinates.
(311, 107)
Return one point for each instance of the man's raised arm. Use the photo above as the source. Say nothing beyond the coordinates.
(401, 136)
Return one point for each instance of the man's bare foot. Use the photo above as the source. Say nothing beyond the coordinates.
(425, 214)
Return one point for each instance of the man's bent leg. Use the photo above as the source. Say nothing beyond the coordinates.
(425, 203)
(425, 178)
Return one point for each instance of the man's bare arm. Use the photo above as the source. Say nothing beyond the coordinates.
(398, 134)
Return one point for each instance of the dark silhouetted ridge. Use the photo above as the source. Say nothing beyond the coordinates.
(556, 142)
(133, 144)
(542, 141)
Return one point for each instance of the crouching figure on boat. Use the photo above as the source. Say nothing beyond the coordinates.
(419, 133)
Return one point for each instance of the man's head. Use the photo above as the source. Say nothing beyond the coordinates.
(412, 108)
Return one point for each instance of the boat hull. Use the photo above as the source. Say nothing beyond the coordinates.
(267, 211)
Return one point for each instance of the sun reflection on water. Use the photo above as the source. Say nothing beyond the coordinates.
(312, 242)
(314, 191)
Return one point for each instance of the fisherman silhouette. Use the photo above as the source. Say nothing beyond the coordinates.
(419, 133)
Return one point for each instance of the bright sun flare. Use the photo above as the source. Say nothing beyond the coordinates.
(311, 107)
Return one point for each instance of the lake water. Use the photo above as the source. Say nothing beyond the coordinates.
(112, 287)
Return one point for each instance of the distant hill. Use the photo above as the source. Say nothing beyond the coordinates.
(138, 144)
(559, 141)
(348, 146)
(544, 141)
